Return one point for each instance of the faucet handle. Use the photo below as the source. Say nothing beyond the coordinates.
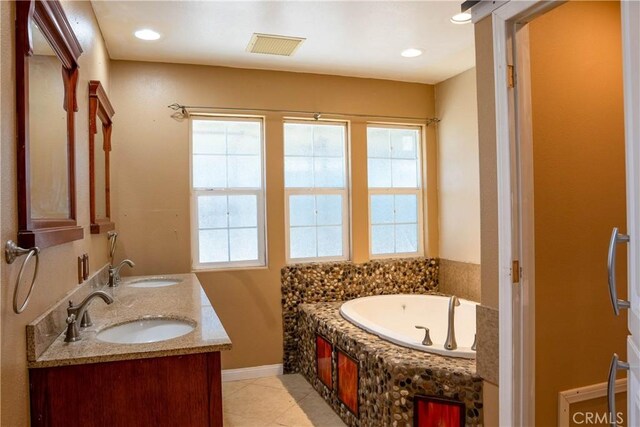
(474, 346)
(427, 338)
(72, 329)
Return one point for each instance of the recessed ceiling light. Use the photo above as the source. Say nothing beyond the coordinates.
(147, 34)
(411, 53)
(461, 18)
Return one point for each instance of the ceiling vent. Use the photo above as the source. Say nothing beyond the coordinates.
(270, 44)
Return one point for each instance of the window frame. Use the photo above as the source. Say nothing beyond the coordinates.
(260, 193)
(345, 192)
(390, 191)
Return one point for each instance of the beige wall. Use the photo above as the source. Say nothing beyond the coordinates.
(579, 181)
(487, 154)
(151, 177)
(488, 189)
(458, 175)
(58, 265)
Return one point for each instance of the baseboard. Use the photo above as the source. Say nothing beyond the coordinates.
(567, 397)
(251, 372)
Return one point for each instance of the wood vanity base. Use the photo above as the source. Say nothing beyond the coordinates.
(164, 391)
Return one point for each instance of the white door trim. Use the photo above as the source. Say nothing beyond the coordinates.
(516, 322)
(515, 328)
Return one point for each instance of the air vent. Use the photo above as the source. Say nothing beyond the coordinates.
(270, 44)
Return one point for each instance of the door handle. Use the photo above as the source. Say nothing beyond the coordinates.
(611, 269)
(615, 366)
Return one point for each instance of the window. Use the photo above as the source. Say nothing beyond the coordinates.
(316, 191)
(395, 190)
(227, 193)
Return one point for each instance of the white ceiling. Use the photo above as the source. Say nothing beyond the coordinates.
(351, 38)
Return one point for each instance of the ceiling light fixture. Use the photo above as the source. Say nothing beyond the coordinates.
(147, 34)
(411, 52)
(461, 18)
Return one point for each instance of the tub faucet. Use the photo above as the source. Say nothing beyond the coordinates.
(75, 312)
(450, 343)
(114, 272)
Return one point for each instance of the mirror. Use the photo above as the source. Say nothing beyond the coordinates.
(100, 125)
(48, 156)
(47, 53)
(99, 171)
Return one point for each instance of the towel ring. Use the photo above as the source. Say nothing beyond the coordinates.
(11, 252)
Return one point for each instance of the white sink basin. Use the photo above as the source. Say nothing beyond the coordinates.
(154, 282)
(146, 330)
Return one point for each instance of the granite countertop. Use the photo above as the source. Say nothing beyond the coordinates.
(185, 300)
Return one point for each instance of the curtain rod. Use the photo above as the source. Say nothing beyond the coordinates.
(184, 113)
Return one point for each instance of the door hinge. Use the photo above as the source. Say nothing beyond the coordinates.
(515, 271)
(511, 76)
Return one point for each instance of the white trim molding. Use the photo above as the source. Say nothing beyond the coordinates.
(252, 372)
(582, 394)
(516, 391)
(484, 9)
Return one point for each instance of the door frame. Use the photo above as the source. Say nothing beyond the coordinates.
(514, 164)
(516, 325)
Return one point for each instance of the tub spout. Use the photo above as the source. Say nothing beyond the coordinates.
(450, 343)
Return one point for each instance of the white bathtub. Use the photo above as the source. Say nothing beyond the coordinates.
(394, 317)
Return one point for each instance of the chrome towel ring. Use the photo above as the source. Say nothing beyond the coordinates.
(11, 252)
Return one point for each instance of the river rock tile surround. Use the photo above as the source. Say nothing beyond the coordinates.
(390, 375)
(342, 281)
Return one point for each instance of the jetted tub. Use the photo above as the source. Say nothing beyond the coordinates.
(394, 318)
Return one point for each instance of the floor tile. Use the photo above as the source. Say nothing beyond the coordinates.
(230, 387)
(260, 402)
(280, 401)
(295, 385)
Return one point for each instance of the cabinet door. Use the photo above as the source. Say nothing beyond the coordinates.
(164, 391)
(631, 49)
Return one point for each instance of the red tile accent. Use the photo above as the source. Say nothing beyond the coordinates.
(323, 361)
(348, 382)
(437, 412)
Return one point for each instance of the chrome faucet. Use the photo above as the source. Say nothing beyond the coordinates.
(75, 312)
(114, 272)
(450, 343)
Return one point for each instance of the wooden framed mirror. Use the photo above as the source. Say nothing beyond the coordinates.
(100, 124)
(47, 53)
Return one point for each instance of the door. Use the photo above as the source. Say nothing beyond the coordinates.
(631, 49)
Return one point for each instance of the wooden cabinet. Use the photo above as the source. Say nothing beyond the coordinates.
(164, 391)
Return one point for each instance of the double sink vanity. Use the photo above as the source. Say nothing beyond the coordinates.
(149, 352)
(151, 357)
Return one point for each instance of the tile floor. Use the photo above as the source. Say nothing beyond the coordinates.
(285, 400)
